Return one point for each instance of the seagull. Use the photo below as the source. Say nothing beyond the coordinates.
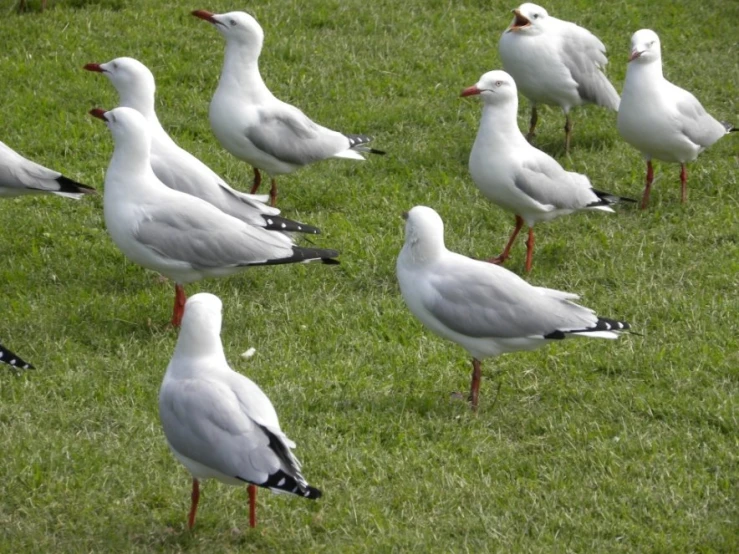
(177, 168)
(515, 175)
(256, 127)
(178, 235)
(19, 176)
(219, 423)
(484, 308)
(14, 360)
(555, 62)
(660, 119)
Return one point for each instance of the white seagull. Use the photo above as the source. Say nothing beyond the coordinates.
(255, 126)
(660, 119)
(484, 308)
(176, 234)
(555, 62)
(6, 356)
(218, 423)
(20, 176)
(177, 168)
(515, 175)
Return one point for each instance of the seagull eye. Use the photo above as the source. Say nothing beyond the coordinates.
(498, 83)
(232, 22)
(651, 44)
(535, 16)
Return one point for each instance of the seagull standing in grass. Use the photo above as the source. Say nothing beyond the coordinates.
(177, 168)
(484, 308)
(6, 356)
(20, 176)
(176, 234)
(256, 127)
(555, 62)
(218, 423)
(660, 119)
(515, 175)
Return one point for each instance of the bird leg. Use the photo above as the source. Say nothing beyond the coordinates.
(647, 188)
(683, 184)
(532, 125)
(568, 132)
(194, 497)
(273, 193)
(530, 250)
(475, 385)
(252, 505)
(257, 181)
(179, 305)
(507, 250)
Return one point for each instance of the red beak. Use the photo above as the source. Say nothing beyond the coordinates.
(99, 113)
(205, 15)
(94, 67)
(471, 91)
(634, 54)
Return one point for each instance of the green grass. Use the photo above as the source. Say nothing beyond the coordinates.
(591, 446)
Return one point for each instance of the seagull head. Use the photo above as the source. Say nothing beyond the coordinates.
(528, 19)
(200, 332)
(494, 87)
(133, 81)
(238, 27)
(127, 126)
(424, 233)
(645, 47)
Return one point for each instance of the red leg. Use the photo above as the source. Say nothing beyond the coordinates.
(683, 184)
(532, 124)
(257, 181)
(507, 250)
(194, 497)
(475, 385)
(650, 178)
(530, 250)
(179, 305)
(568, 132)
(252, 505)
(273, 193)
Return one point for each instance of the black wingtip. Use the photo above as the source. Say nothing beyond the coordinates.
(606, 199)
(68, 185)
(13, 360)
(375, 151)
(729, 127)
(277, 223)
(303, 254)
(603, 324)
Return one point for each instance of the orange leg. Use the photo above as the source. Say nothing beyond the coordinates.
(257, 181)
(252, 505)
(683, 184)
(647, 188)
(507, 250)
(179, 305)
(273, 193)
(530, 250)
(194, 497)
(475, 385)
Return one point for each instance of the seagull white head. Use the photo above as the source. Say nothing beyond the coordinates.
(129, 129)
(645, 47)
(200, 332)
(238, 27)
(528, 19)
(133, 81)
(494, 87)
(424, 233)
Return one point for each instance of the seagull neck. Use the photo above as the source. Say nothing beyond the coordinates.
(196, 343)
(499, 123)
(132, 156)
(241, 71)
(644, 72)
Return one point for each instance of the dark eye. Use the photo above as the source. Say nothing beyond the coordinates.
(536, 16)
(232, 22)
(498, 83)
(651, 44)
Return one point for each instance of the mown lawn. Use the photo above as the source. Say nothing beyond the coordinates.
(590, 446)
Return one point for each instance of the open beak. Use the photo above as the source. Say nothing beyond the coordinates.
(635, 54)
(519, 22)
(94, 67)
(206, 16)
(99, 113)
(471, 91)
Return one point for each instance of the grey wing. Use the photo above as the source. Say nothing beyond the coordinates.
(192, 231)
(696, 123)
(291, 137)
(482, 300)
(19, 172)
(549, 184)
(584, 55)
(203, 421)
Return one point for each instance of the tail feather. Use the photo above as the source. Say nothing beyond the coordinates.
(12, 359)
(278, 223)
